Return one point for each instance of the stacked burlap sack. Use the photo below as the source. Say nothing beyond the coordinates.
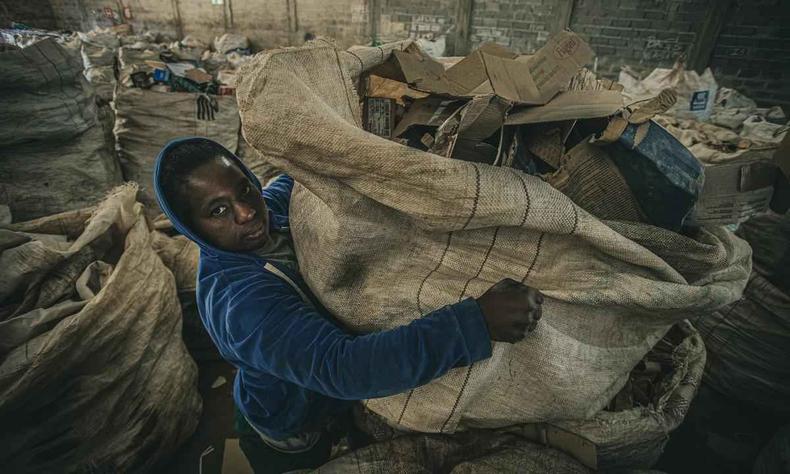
(54, 155)
(748, 340)
(99, 51)
(386, 233)
(145, 120)
(94, 375)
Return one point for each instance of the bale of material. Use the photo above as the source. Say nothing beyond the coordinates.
(94, 376)
(775, 457)
(385, 234)
(748, 346)
(54, 155)
(629, 437)
(477, 452)
(146, 120)
(748, 340)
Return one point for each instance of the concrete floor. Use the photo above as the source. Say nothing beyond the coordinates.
(214, 427)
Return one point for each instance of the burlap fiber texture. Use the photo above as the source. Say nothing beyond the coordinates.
(385, 234)
(94, 375)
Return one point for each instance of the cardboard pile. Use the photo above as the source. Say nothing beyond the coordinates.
(544, 114)
(746, 153)
(187, 65)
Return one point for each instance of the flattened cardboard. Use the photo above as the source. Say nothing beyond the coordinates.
(432, 111)
(422, 72)
(199, 76)
(512, 80)
(494, 69)
(555, 64)
(570, 105)
(470, 73)
(390, 89)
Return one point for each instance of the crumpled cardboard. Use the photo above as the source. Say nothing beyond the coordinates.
(493, 69)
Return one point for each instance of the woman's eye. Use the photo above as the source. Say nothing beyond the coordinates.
(219, 211)
(247, 190)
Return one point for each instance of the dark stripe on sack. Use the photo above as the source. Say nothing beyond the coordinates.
(419, 308)
(469, 369)
(405, 404)
(485, 259)
(455, 406)
(529, 200)
(477, 195)
(534, 260)
(345, 89)
(438, 264)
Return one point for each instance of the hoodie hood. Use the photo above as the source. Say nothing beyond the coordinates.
(165, 206)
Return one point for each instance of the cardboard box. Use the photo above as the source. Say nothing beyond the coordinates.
(733, 192)
(431, 111)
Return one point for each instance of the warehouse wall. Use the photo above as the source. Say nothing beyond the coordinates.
(36, 13)
(646, 33)
(523, 25)
(753, 56)
(268, 23)
(416, 18)
(750, 53)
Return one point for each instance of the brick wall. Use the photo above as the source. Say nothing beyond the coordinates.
(522, 25)
(416, 18)
(643, 34)
(752, 53)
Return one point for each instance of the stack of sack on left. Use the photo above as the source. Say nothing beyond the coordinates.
(94, 373)
(54, 153)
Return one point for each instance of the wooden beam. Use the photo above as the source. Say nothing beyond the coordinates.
(562, 15)
(374, 18)
(463, 27)
(704, 42)
(177, 18)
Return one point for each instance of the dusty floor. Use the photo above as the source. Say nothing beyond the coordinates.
(216, 423)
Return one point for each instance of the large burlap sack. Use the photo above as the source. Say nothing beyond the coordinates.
(629, 434)
(94, 376)
(54, 156)
(44, 178)
(43, 94)
(749, 354)
(146, 120)
(478, 452)
(769, 236)
(385, 234)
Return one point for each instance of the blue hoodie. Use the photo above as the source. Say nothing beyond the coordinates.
(296, 366)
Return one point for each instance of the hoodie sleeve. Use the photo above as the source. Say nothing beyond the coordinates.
(289, 339)
(278, 194)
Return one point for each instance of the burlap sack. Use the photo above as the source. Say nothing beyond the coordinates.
(146, 120)
(94, 375)
(53, 154)
(466, 453)
(385, 234)
(628, 434)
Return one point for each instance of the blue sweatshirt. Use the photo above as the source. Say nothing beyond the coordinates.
(296, 365)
